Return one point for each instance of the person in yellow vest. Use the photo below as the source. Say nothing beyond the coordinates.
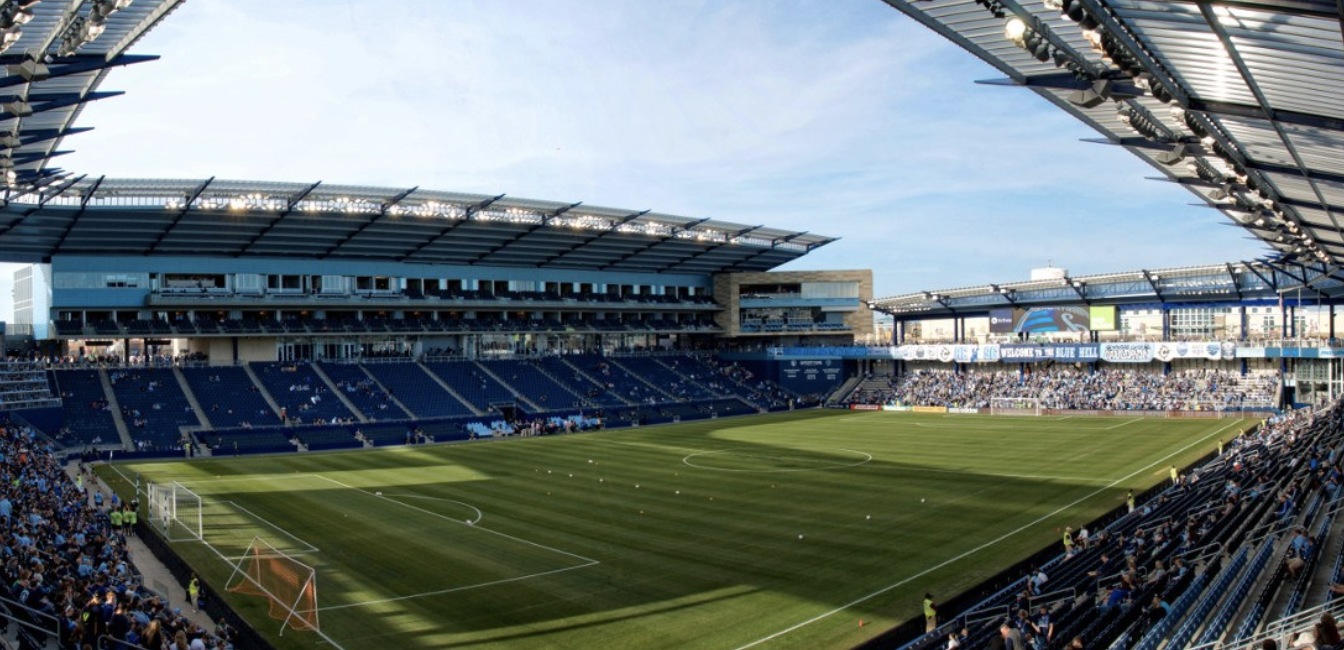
(930, 613)
(194, 591)
(1220, 446)
(1175, 476)
(128, 519)
(115, 516)
(1129, 500)
(1068, 540)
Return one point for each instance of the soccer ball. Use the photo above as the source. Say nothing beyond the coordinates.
(377, 494)
(921, 500)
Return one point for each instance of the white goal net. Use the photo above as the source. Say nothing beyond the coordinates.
(1014, 406)
(176, 512)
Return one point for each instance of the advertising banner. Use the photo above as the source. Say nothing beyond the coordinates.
(1052, 319)
(1001, 321)
(1103, 318)
(1211, 350)
(949, 353)
(894, 407)
(1065, 352)
(1127, 352)
(930, 409)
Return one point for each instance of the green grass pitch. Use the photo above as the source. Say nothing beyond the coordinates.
(781, 531)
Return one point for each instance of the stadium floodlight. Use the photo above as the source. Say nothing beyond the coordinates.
(31, 70)
(1176, 155)
(1092, 97)
(1015, 30)
(19, 108)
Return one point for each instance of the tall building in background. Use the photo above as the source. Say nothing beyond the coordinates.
(32, 299)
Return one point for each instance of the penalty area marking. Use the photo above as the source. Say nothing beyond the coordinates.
(867, 457)
(586, 561)
(479, 515)
(993, 542)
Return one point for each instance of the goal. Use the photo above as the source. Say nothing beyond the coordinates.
(176, 512)
(289, 585)
(1014, 406)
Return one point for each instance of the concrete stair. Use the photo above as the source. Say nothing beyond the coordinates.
(340, 394)
(122, 431)
(457, 396)
(191, 398)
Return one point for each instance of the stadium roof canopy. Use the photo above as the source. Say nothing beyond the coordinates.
(55, 55)
(58, 52)
(1239, 101)
(1191, 285)
(91, 216)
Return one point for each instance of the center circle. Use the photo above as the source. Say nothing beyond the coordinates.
(755, 460)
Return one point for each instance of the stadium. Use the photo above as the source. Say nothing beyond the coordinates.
(361, 416)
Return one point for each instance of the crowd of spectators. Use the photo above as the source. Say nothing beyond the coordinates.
(107, 360)
(65, 561)
(1135, 568)
(1107, 389)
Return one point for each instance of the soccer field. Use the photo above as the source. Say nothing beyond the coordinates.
(780, 531)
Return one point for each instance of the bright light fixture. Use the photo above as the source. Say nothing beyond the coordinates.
(1016, 31)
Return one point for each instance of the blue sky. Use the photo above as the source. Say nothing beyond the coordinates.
(840, 117)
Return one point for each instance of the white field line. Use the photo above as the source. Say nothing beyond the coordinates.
(245, 479)
(234, 564)
(988, 544)
(460, 523)
(462, 588)
(479, 515)
(587, 562)
(1029, 476)
(1117, 426)
(286, 533)
(1004, 427)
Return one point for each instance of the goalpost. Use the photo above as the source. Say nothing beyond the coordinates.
(1014, 406)
(289, 585)
(176, 512)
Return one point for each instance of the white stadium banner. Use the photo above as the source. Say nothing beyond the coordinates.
(1127, 352)
(948, 353)
(1211, 350)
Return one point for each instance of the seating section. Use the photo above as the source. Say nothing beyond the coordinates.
(417, 390)
(88, 416)
(593, 394)
(672, 382)
(473, 385)
(301, 394)
(527, 377)
(618, 379)
(1109, 389)
(1203, 546)
(363, 392)
(152, 406)
(25, 385)
(229, 398)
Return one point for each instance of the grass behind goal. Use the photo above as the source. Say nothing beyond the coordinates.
(780, 531)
